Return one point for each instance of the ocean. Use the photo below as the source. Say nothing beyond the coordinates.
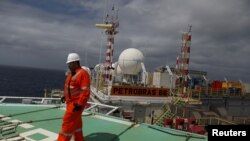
(31, 82)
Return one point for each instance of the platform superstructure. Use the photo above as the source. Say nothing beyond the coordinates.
(151, 97)
(141, 95)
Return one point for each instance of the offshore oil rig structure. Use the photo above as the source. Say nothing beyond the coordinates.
(175, 97)
(172, 97)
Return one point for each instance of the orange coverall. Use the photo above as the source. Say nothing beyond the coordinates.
(76, 91)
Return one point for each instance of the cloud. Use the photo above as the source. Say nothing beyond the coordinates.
(28, 31)
(41, 34)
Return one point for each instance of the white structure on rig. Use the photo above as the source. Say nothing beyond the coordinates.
(130, 61)
(130, 67)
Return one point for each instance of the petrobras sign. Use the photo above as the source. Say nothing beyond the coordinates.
(139, 91)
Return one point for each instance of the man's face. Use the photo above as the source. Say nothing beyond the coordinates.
(72, 66)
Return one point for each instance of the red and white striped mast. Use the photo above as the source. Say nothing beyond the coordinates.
(110, 26)
(183, 60)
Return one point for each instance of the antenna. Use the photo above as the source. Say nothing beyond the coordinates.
(110, 26)
(190, 27)
(182, 61)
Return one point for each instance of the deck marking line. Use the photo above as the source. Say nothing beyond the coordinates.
(25, 125)
(114, 120)
(6, 118)
(51, 136)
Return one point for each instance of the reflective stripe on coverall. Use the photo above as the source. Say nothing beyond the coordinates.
(76, 90)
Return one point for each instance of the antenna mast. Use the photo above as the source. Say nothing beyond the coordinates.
(182, 64)
(110, 26)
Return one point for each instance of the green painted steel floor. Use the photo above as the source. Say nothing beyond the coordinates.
(97, 127)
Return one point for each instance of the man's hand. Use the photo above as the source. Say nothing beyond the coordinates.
(63, 99)
(77, 107)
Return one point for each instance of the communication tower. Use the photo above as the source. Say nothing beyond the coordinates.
(110, 26)
(182, 63)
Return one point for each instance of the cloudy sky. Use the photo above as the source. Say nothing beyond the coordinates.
(40, 33)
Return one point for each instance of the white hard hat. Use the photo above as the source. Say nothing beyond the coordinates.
(73, 57)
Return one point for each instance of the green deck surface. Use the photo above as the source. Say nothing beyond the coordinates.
(96, 127)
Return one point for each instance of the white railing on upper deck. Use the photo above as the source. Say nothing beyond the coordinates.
(55, 101)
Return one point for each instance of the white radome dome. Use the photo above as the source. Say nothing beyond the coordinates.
(130, 61)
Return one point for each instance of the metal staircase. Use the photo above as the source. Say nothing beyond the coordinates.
(168, 113)
(8, 132)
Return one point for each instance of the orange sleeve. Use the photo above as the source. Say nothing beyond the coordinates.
(85, 86)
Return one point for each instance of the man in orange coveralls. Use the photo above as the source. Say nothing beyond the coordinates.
(76, 94)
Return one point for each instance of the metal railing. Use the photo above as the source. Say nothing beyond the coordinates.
(214, 121)
(92, 107)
